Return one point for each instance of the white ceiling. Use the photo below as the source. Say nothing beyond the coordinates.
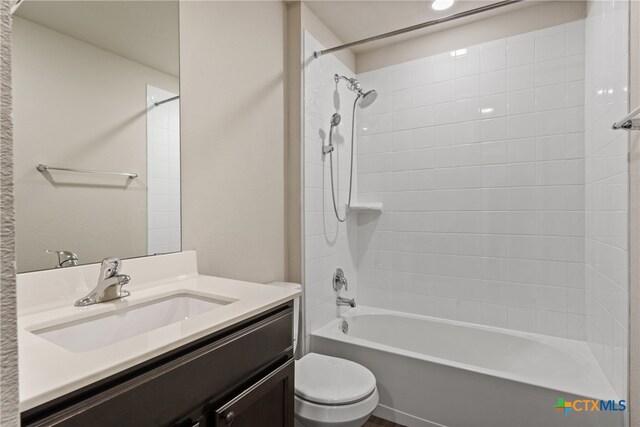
(358, 19)
(143, 31)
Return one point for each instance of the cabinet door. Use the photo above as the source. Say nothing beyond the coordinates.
(267, 403)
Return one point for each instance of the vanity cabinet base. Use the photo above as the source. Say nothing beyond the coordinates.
(241, 376)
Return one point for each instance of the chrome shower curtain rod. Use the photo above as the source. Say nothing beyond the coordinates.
(164, 101)
(453, 17)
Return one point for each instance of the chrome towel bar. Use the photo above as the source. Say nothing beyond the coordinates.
(42, 168)
(628, 122)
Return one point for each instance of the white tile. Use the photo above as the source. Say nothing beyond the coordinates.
(493, 106)
(467, 132)
(467, 110)
(575, 41)
(520, 53)
(467, 87)
(423, 116)
(520, 102)
(443, 68)
(422, 96)
(400, 79)
(522, 319)
(444, 114)
(493, 83)
(401, 120)
(422, 138)
(550, 72)
(575, 93)
(575, 67)
(521, 174)
(468, 63)
(550, 173)
(551, 46)
(493, 59)
(550, 147)
(521, 126)
(520, 78)
(443, 92)
(493, 129)
(551, 323)
(422, 74)
(550, 122)
(401, 99)
(575, 172)
(521, 150)
(494, 152)
(550, 97)
(401, 140)
(575, 145)
(575, 120)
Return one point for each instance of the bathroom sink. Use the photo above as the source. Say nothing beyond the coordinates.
(99, 331)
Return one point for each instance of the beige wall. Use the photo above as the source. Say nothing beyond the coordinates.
(293, 151)
(544, 14)
(76, 105)
(233, 138)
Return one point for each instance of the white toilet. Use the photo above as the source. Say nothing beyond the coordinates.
(329, 391)
(333, 392)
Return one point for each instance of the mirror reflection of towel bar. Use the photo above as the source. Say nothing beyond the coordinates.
(42, 168)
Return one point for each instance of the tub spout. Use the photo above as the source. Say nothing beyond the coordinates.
(351, 302)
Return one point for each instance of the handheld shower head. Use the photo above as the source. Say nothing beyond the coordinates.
(335, 119)
(367, 98)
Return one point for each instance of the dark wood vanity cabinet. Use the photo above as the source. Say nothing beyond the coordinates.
(242, 376)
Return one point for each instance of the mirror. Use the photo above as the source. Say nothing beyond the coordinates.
(97, 161)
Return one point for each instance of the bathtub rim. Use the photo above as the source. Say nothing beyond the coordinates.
(599, 388)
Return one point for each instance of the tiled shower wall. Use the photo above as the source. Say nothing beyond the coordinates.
(327, 243)
(607, 59)
(163, 172)
(478, 157)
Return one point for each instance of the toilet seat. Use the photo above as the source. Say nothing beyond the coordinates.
(326, 380)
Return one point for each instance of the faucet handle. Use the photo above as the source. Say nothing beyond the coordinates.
(110, 267)
(340, 280)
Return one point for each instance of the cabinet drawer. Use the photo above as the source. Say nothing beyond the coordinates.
(267, 403)
(164, 394)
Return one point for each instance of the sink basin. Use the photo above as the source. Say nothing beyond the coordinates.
(103, 330)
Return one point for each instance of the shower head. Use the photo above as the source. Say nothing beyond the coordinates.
(367, 98)
(335, 119)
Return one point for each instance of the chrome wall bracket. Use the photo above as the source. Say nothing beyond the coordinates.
(628, 122)
(633, 124)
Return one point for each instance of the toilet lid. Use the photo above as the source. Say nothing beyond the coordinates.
(329, 380)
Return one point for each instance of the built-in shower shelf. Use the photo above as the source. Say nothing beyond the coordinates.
(366, 207)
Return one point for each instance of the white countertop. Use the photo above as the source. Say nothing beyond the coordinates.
(48, 371)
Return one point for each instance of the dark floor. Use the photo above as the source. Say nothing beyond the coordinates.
(379, 422)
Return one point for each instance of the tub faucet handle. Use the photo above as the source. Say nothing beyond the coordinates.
(340, 280)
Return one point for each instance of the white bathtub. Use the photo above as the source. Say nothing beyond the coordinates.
(434, 372)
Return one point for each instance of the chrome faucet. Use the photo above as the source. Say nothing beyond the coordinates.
(109, 285)
(342, 301)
